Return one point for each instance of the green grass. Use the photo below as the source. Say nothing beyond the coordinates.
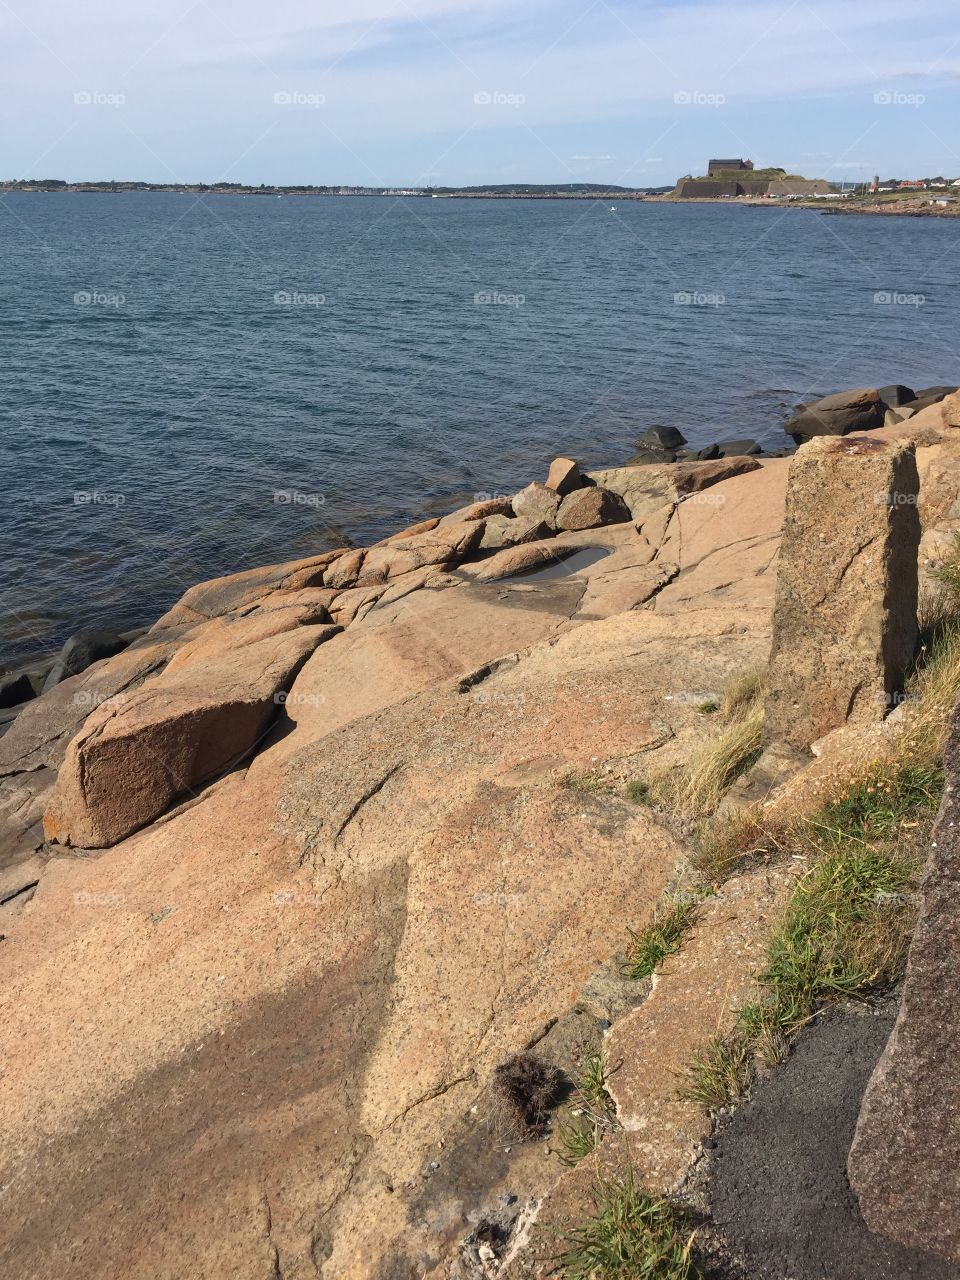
(846, 927)
(630, 1237)
(593, 1113)
(721, 1073)
(638, 792)
(709, 707)
(660, 938)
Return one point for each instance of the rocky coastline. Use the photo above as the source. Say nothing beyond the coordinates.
(361, 915)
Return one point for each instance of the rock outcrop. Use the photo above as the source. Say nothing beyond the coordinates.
(904, 1165)
(845, 627)
(838, 415)
(139, 752)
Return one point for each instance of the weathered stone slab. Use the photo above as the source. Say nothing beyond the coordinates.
(845, 626)
(137, 753)
(905, 1161)
(838, 415)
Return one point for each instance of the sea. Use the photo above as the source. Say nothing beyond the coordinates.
(191, 386)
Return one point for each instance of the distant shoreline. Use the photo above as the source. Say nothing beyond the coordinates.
(904, 207)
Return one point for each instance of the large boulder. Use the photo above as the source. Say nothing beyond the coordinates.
(896, 395)
(83, 650)
(930, 395)
(564, 476)
(838, 415)
(590, 508)
(537, 503)
(950, 410)
(845, 624)
(904, 1165)
(646, 489)
(140, 751)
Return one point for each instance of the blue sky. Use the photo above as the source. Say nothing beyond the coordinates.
(388, 92)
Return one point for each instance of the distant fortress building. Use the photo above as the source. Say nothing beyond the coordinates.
(725, 166)
(728, 179)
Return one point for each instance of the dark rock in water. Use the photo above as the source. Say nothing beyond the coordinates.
(661, 438)
(896, 395)
(904, 1164)
(928, 396)
(653, 457)
(838, 415)
(658, 445)
(737, 448)
(81, 651)
(708, 453)
(15, 688)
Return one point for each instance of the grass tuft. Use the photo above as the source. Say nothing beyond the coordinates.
(524, 1088)
(638, 792)
(695, 789)
(660, 938)
(593, 1113)
(720, 1074)
(631, 1236)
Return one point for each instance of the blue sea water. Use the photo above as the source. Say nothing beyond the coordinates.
(191, 387)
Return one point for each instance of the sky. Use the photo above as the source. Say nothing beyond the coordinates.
(459, 92)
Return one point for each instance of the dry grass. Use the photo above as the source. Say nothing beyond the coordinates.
(524, 1089)
(695, 789)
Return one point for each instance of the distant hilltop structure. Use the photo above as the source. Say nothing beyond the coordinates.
(716, 167)
(728, 179)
